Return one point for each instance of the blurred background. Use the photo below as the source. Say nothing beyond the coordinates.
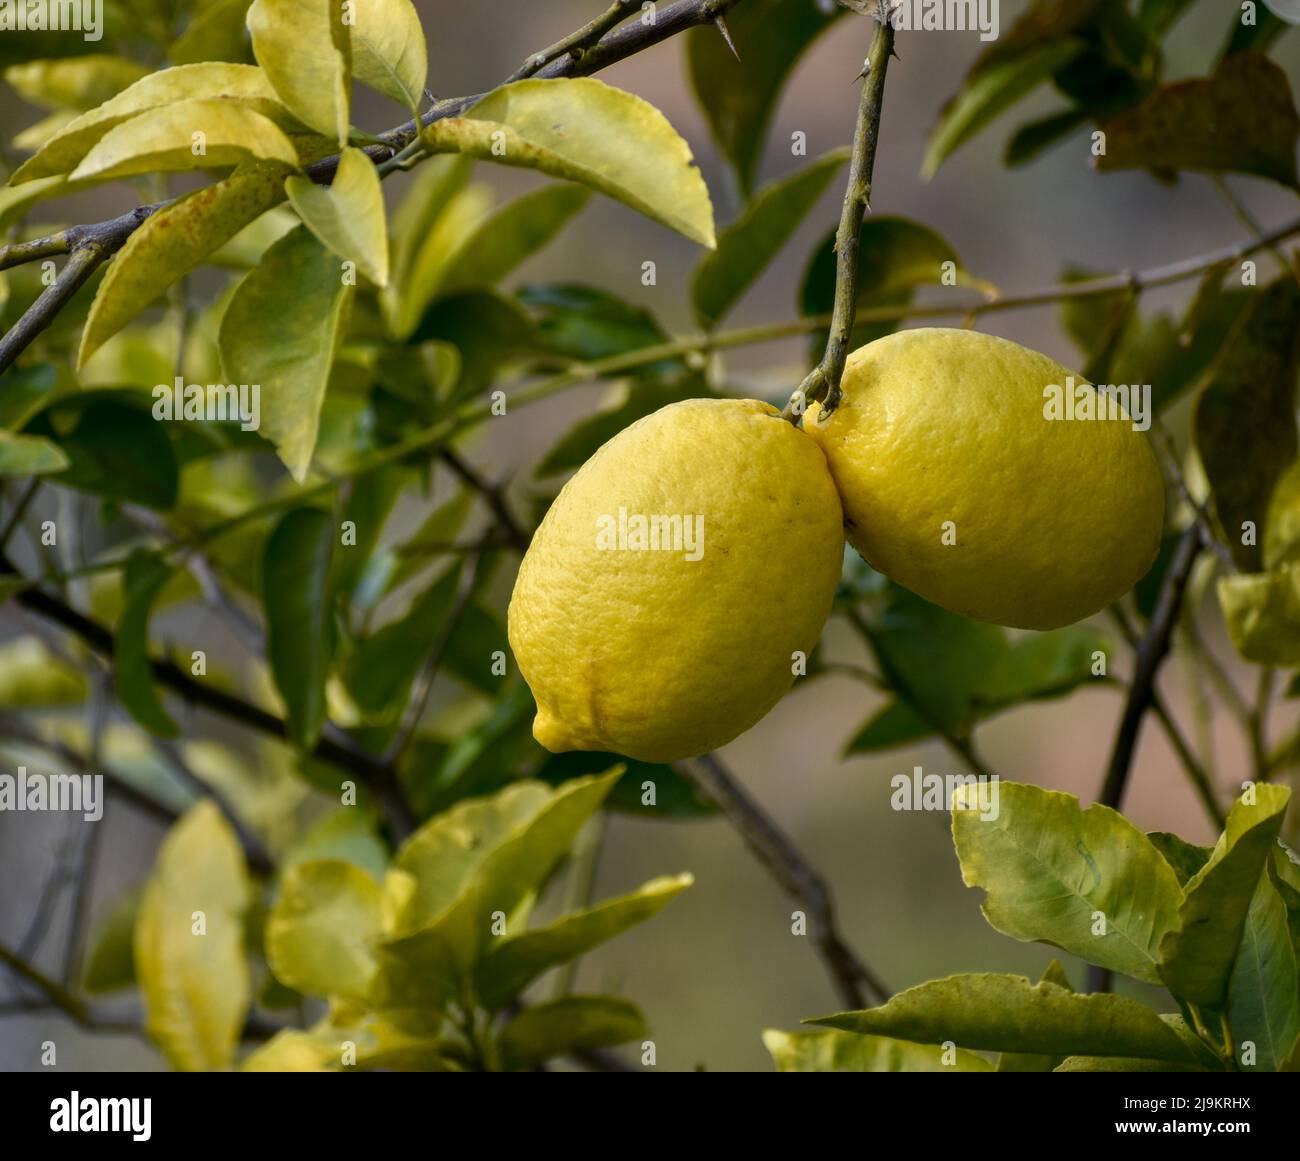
(721, 964)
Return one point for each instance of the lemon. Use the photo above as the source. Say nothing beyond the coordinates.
(957, 484)
(659, 609)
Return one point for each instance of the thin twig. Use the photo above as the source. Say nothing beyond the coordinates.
(576, 43)
(493, 495)
(1151, 654)
(823, 382)
(75, 274)
(776, 851)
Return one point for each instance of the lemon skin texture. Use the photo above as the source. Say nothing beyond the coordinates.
(643, 652)
(1052, 519)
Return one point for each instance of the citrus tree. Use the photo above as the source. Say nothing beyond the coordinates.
(258, 393)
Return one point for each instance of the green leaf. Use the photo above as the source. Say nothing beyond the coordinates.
(347, 833)
(143, 580)
(1197, 955)
(512, 964)
(583, 130)
(1036, 137)
(1185, 858)
(989, 92)
(738, 97)
(282, 330)
(292, 1050)
(33, 677)
(1257, 37)
(1262, 612)
(1005, 1013)
(195, 986)
(422, 969)
(115, 450)
(1028, 1061)
(164, 140)
(427, 231)
(1240, 120)
(569, 1024)
(383, 667)
(389, 53)
(299, 620)
(500, 243)
(894, 724)
(78, 83)
(1042, 665)
(29, 455)
(833, 1051)
(320, 932)
(237, 84)
(306, 52)
(347, 216)
(448, 849)
(217, 32)
(747, 246)
(1282, 527)
(171, 243)
(487, 329)
(1244, 422)
(1263, 995)
(934, 659)
(110, 965)
(1047, 867)
(895, 256)
(675, 795)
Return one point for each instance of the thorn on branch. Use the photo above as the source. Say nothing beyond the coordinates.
(720, 23)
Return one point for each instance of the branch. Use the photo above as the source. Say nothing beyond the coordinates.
(336, 750)
(62, 1000)
(777, 852)
(74, 275)
(493, 495)
(1151, 654)
(823, 382)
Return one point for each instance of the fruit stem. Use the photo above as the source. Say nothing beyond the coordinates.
(823, 382)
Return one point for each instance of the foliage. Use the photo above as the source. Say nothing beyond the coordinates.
(1213, 925)
(384, 799)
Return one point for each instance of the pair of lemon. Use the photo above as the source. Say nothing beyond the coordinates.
(667, 597)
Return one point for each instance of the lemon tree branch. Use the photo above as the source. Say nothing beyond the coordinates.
(823, 382)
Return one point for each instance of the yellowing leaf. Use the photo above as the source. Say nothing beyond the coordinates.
(189, 943)
(281, 331)
(586, 131)
(1262, 611)
(320, 931)
(78, 83)
(234, 83)
(348, 216)
(389, 52)
(199, 134)
(172, 242)
(304, 47)
(29, 455)
(32, 677)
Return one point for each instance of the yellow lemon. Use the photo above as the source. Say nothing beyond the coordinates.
(659, 609)
(971, 473)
